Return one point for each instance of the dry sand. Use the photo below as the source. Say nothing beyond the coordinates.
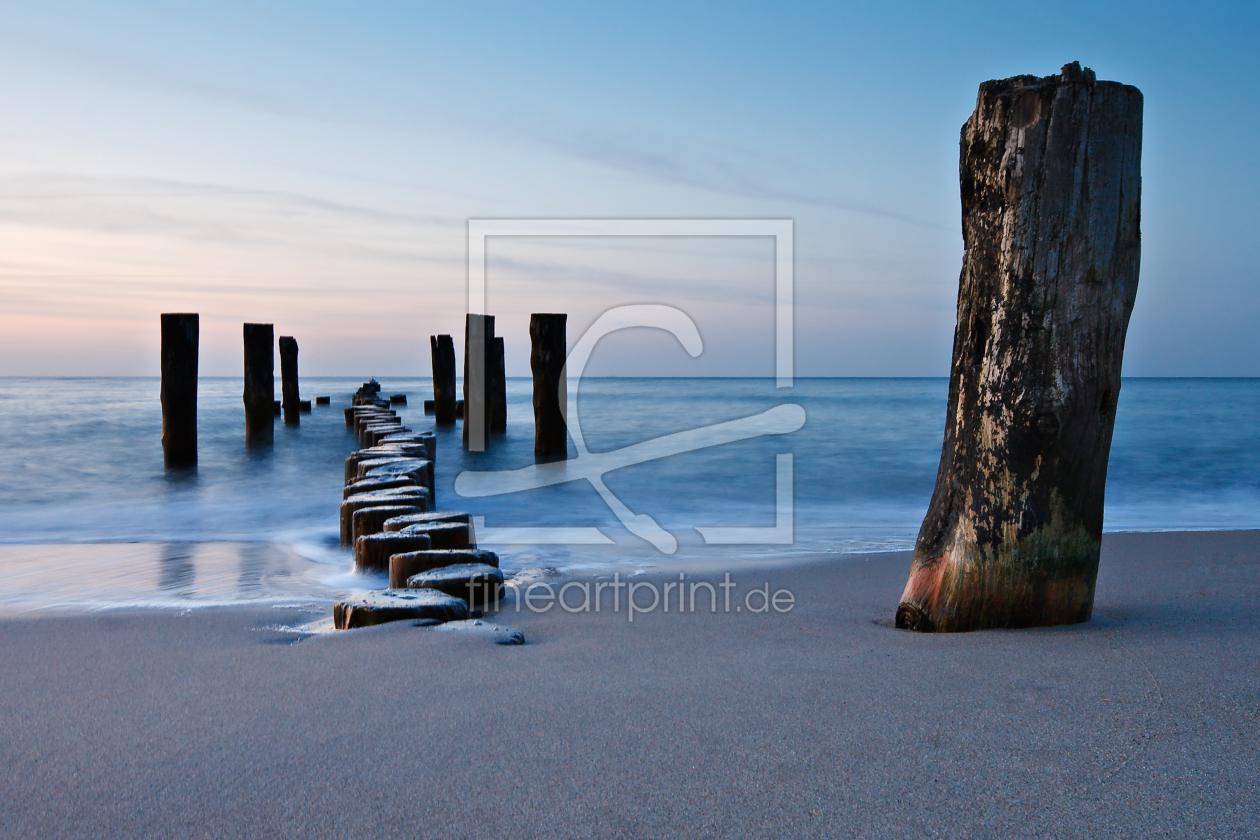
(823, 722)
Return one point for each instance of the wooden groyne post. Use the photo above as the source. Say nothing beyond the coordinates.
(443, 351)
(290, 401)
(260, 384)
(1051, 191)
(548, 349)
(180, 336)
(496, 384)
(478, 330)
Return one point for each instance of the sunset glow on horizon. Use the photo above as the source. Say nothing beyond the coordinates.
(315, 168)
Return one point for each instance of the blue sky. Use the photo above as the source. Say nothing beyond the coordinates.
(314, 165)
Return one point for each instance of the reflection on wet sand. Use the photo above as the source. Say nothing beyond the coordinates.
(260, 563)
(176, 571)
(181, 574)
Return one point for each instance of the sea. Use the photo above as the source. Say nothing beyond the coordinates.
(671, 471)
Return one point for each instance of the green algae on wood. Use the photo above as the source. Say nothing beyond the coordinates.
(1051, 191)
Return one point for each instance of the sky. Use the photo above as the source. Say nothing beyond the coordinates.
(314, 165)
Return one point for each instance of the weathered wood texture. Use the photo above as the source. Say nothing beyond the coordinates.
(180, 336)
(290, 401)
(408, 605)
(260, 383)
(478, 332)
(372, 552)
(403, 566)
(370, 520)
(1051, 184)
(417, 497)
(443, 349)
(548, 350)
(398, 523)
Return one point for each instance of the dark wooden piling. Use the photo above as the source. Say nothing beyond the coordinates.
(548, 339)
(260, 383)
(1051, 192)
(496, 385)
(372, 552)
(371, 520)
(478, 330)
(290, 401)
(412, 496)
(180, 336)
(405, 564)
(372, 484)
(398, 523)
(443, 351)
(480, 584)
(445, 535)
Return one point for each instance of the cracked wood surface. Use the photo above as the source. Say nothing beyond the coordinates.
(1050, 172)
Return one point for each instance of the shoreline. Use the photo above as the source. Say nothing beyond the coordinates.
(219, 565)
(819, 722)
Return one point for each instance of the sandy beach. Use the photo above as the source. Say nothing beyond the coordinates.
(819, 722)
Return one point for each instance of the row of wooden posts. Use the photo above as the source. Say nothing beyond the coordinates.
(389, 516)
(484, 408)
(485, 383)
(180, 339)
(260, 383)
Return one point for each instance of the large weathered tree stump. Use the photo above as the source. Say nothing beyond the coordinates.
(1050, 172)
(478, 332)
(290, 401)
(180, 334)
(548, 350)
(260, 383)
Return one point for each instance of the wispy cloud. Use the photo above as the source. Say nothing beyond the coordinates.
(713, 166)
(89, 59)
(207, 212)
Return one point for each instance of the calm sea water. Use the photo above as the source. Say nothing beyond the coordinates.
(81, 462)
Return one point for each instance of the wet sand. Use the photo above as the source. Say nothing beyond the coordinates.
(820, 722)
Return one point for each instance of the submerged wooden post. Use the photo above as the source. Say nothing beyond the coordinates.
(443, 351)
(290, 401)
(180, 334)
(1051, 185)
(260, 384)
(549, 346)
(478, 330)
(496, 385)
